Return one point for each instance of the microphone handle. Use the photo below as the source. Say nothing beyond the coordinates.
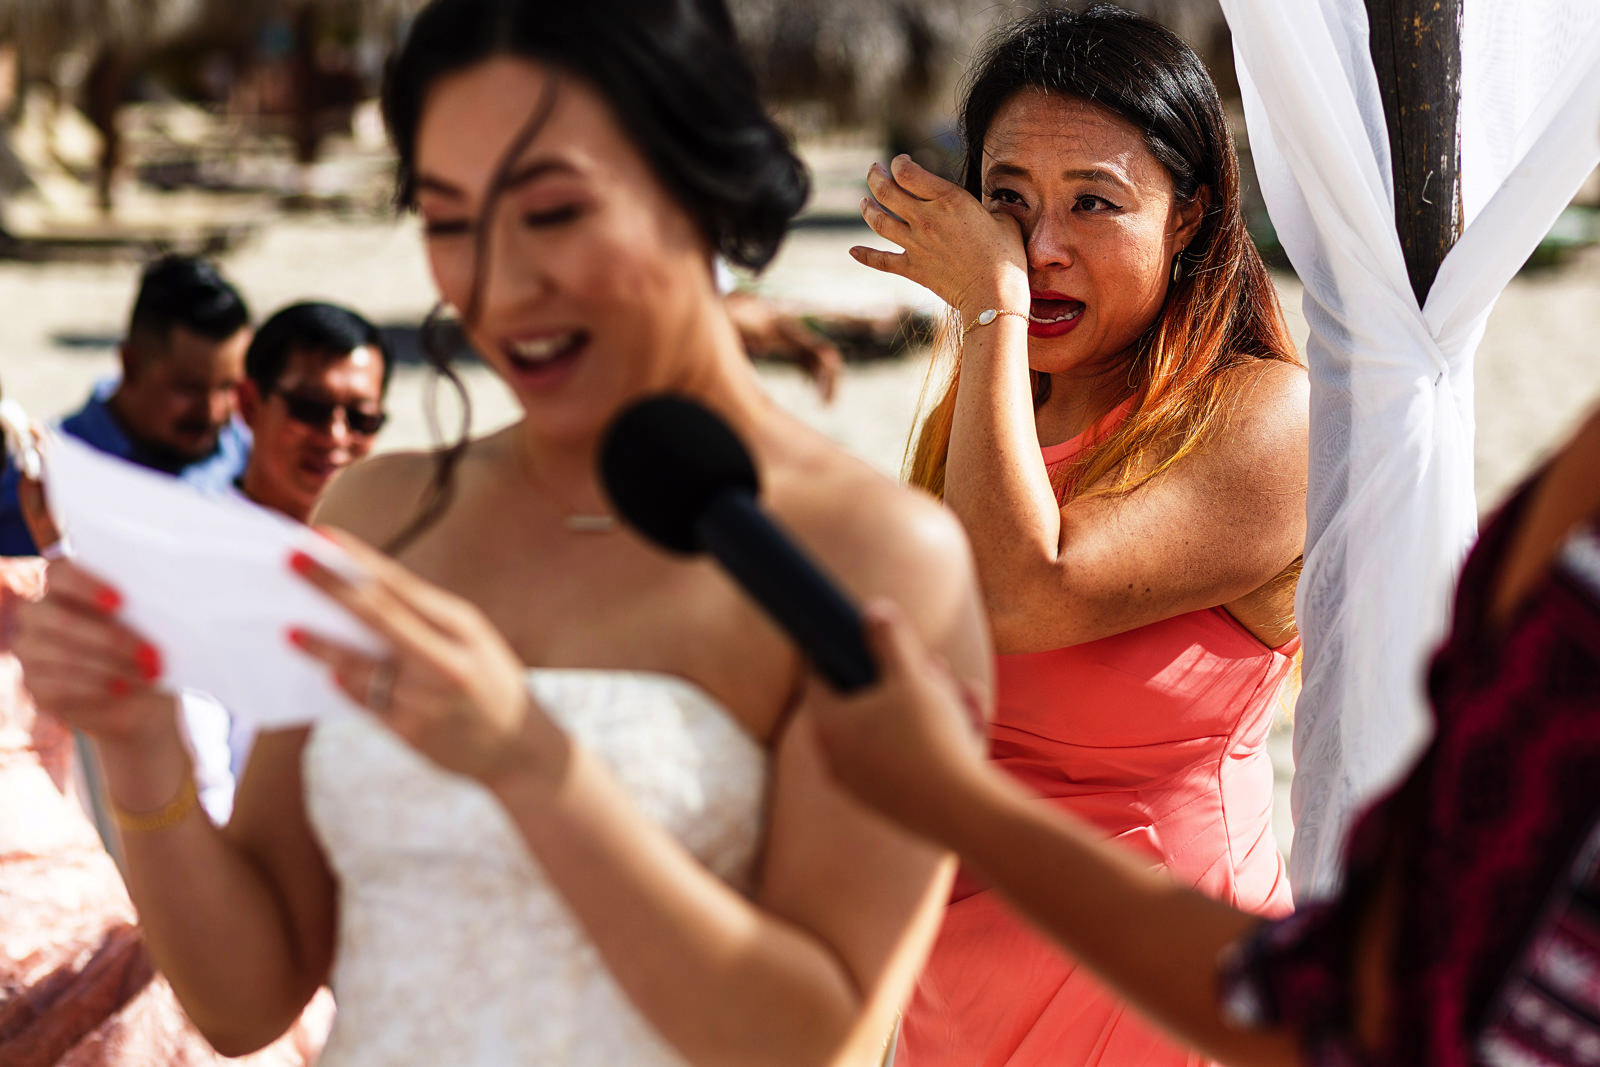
(779, 576)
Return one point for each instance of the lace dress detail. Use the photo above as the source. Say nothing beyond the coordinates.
(454, 948)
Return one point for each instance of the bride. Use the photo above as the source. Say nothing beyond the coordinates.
(586, 820)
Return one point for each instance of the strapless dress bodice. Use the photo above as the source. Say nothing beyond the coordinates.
(453, 946)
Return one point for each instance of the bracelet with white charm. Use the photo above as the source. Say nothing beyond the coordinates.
(988, 315)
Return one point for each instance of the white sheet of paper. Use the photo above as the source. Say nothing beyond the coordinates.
(206, 579)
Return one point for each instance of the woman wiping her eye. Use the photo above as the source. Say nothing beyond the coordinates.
(1124, 439)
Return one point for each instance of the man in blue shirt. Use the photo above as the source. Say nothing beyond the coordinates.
(173, 409)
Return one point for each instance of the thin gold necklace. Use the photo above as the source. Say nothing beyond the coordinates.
(579, 522)
(593, 523)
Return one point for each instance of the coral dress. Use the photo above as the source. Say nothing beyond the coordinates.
(1157, 737)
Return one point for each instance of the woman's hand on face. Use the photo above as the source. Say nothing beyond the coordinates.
(86, 667)
(451, 687)
(908, 745)
(971, 258)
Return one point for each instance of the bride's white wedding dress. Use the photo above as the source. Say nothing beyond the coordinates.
(454, 950)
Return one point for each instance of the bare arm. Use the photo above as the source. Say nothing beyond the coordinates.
(1156, 943)
(239, 921)
(809, 970)
(812, 970)
(1216, 526)
(796, 975)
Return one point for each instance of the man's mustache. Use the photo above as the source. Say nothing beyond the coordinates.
(196, 427)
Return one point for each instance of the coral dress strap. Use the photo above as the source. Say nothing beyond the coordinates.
(1065, 450)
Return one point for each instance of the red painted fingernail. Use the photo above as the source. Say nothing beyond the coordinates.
(120, 687)
(297, 637)
(148, 659)
(107, 599)
(301, 563)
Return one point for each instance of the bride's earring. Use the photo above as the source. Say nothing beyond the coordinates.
(1177, 268)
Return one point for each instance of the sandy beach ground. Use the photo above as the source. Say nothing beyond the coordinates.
(1538, 368)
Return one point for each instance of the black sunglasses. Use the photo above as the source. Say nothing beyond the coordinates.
(318, 413)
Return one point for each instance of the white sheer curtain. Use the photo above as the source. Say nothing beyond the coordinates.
(1391, 505)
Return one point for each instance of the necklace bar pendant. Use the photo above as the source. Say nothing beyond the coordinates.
(590, 523)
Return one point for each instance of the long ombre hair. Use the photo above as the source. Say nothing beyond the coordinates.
(1221, 312)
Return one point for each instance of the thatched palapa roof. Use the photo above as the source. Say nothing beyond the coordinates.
(46, 28)
(224, 19)
(869, 59)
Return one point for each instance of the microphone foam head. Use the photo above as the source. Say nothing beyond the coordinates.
(664, 460)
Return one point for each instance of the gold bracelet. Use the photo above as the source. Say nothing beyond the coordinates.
(987, 316)
(169, 814)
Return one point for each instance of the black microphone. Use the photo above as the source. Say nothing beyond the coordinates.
(680, 476)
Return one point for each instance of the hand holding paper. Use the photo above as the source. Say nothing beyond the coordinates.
(206, 580)
(452, 688)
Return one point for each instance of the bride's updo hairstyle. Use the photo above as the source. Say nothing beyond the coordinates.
(1223, 309)
(673, 75)
(675, 78)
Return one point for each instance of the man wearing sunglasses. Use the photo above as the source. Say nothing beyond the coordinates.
(315, 377)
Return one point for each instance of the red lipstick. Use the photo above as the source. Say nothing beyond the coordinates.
(1053, 314)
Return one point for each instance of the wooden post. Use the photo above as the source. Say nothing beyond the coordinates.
(307, 85)
(10, 84)
(1416, 51)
